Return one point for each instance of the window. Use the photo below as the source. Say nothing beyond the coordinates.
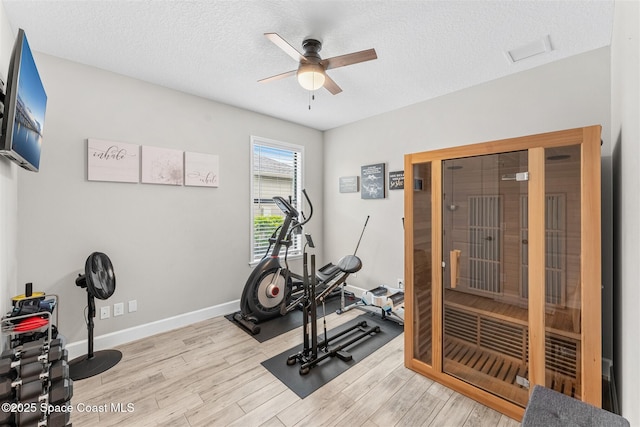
(276, 170)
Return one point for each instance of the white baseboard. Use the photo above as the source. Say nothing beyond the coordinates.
(114, 339)
(356, 291)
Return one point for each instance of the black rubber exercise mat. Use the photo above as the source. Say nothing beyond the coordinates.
(279, 325)
(330, 368)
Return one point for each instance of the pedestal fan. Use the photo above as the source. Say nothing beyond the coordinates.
(100, 282)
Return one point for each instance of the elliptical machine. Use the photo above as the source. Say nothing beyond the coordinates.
(270, 286)
(269, 283)
(310, 356)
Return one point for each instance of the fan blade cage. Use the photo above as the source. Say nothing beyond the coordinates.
(101, 280)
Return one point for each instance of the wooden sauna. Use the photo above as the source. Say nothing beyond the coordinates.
(502, 267)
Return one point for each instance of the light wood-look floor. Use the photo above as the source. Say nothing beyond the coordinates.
(209, 374)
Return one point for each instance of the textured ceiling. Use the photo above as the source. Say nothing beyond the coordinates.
(216, 49)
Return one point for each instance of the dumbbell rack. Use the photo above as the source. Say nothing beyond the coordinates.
(35, 388)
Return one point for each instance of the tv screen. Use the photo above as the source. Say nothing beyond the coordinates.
(24, 107)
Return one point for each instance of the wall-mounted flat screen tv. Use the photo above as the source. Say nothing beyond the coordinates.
(24, 107)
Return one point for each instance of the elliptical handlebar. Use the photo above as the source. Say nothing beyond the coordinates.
(289, 225)
(286, 208)
(305, 220)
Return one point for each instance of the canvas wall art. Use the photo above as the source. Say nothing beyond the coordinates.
(112, 161)
(396, 180)
(162, 166)
(348, 184)
(372, 181)
(201, 170)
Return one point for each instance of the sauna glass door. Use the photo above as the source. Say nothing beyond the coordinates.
(422, 272)
(484, 239)
(563, 241)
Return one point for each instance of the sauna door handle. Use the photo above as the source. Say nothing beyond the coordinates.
(454, 261)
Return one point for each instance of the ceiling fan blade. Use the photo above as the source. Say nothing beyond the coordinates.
(286, 47)
(330, 85)
(278, 76)
(348, 59)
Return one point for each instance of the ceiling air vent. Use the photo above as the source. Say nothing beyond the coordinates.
(534, 48)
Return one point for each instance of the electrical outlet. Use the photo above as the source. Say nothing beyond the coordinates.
(400, 283)
(118, 309)
(133, 306)
(105, 312)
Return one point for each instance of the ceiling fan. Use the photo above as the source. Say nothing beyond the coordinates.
(311, 71)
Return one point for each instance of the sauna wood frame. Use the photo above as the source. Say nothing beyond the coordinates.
(590, 358)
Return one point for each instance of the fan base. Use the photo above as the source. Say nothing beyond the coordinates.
(85, 367)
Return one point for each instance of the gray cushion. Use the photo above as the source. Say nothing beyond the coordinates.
(548, 408)
(350, 264)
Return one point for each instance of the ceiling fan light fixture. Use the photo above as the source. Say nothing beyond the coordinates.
(311, 76)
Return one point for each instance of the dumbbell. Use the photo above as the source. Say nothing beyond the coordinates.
(22, 418)
(59, 419)
(38, 371)
(22, 390)
(61, 391)
(25, 351)
(35, 391)
(54, 353)
(59, 370)
(33, 347)
(24, 371)
(53, 371)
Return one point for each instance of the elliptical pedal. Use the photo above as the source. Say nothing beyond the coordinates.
(344, 356)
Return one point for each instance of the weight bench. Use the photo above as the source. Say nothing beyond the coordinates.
(549, 408)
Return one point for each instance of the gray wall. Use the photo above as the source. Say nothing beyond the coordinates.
(566, 94)
(174, 249)
(625, 134)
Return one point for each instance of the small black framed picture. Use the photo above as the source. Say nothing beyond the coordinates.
(372, 181)
(396, 180)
